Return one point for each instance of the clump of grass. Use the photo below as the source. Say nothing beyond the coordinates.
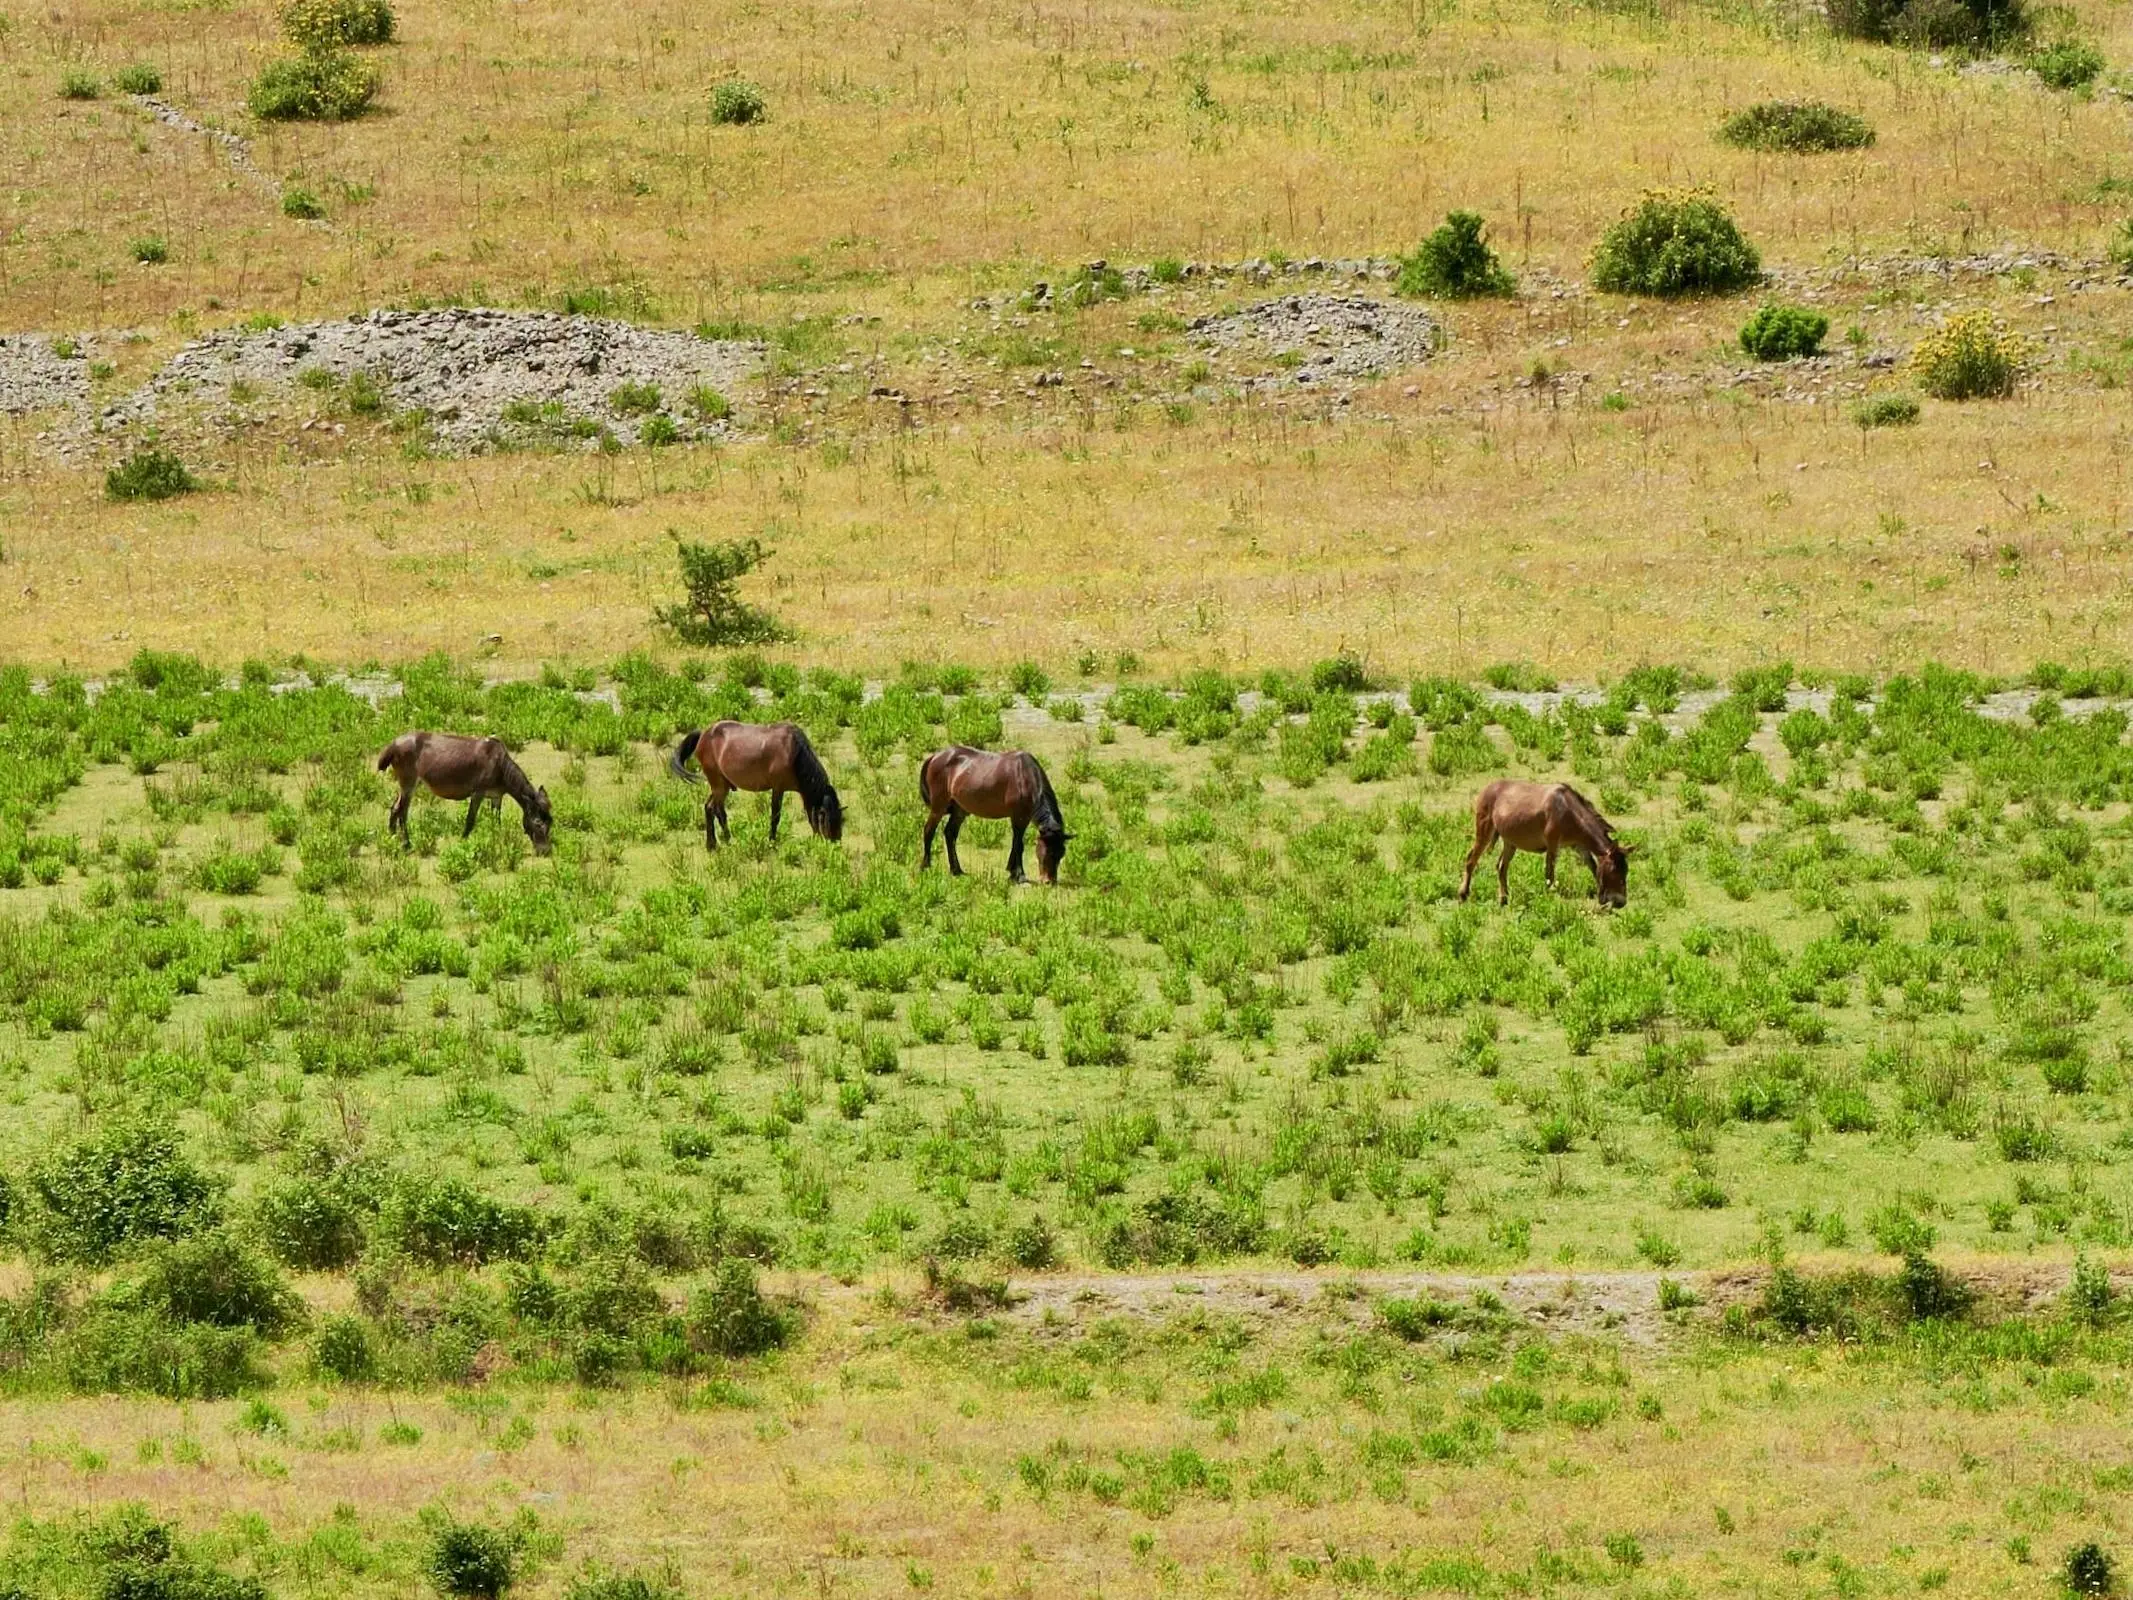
(2069, 64)
(634, 399)
(1886, 411)
(302, 204)
(736, 103)
(470, 1561)
(150, 474)
(1783, 333)
(152, 250)
(1455, 263)
(708, 404)
(1931, 24)
(316, 86)
(2088, 1570)
(1675, 242)
(1972, 356)
(731, 1318)
(77, 83)
(138, 78)
(1797, 127)
(332, 24)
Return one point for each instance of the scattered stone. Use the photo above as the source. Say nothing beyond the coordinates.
(1341, 339)
(34, 376)
(237, 150)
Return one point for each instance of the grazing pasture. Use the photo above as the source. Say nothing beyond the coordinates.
(1206, 1215)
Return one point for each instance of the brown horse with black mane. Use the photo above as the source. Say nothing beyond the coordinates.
(1545, 818)
(960, 782)
(758, 756)
(459, 766)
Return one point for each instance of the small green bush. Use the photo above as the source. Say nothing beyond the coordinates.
(1675, 242)
(470, 1562)
(2069, 64)
(634, 399)
(2087, 1570)
(712, 612)
(1886, 411)
(735, 102)
(708, 404)
(622, 1586)
(317, 86)
(1931, 24)
(658, 430)
(152, 250)
(1784, 333)
(1971, 356)
(149, 475)
(77, 84)
(218, 1280)
(331, 24)
(731, 1318)
(1455, 263)
(139, 78)
(126, 1183)
(1795, 126)
(343, 1349)
(302, 204)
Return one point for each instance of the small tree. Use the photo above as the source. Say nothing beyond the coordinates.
(1455, 263)
(1675, 242)
(713, 613)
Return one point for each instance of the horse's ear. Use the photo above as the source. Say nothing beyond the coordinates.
(543, 793)
(1626, 849)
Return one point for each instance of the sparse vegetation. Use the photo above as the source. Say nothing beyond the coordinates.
(1969, 357)
(736, 103)
(1797, 127)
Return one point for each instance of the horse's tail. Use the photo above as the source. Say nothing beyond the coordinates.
(925, 789)
(678, 762)
(817, 793)
(391, 753)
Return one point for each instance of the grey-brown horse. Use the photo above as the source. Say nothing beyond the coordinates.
(458, 766)
(1545, 818)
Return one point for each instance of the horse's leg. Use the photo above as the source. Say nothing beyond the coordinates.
(955, 826)
(711, 822)
(1484, 833)
(777, 809)
(725, 818)
(1503, 873)
(933, 821)
(1014, 853)
(397, 822)
(1551, 866)
(473, 816)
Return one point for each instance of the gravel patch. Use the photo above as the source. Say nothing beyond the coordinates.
(466, 368)
(1333, 339)
(35, 377)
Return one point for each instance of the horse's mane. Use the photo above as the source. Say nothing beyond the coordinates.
(1592, 817)
(817, 794)
(1046, 815)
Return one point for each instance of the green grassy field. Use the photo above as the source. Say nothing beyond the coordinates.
(1248, 1122)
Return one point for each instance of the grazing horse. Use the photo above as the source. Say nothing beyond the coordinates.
(960, 782)
(757, 756)
(458, 766)
(1545, 818)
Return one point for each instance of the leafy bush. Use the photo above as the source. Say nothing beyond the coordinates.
(1931, 24)
(149, 475)
(658, 430)
(76, 84)
(713, 614)
(731, 1318)
(442, 1220)
(128, 1555)
(2087, 1570)
(2069, 64)
(1455, 263)
(124, 1184)
(316, 86)
(622, 1586)
(736, 102)
(1795, 126)
(122, 1347)
(1970, 356)
(1675, 242)
(343, 1350)
(1886, 411)
(151, 251)
(468, 1561)
(316, 25)
(315, 1223)
(218, 1280)
(1783, 333)
(634, 399)
(139, 78)
(302, 204)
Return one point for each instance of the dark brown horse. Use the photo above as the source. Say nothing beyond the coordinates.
(757, 756)
(458, 766)
(960, 782)
(1545, 818)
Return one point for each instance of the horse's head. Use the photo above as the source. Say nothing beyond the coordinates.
(1611, 866)
(1051, 850)
(826, 816)
(540, 822)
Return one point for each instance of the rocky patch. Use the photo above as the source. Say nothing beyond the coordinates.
(35, 376)
(1322, 338)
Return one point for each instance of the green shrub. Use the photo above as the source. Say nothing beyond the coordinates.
(218, 1280)
(343, 1349)
(658, 430)
(1886, 411)
(2087, 1570)
(1783, 333)
(302, 204)
(1931, 24)
(316, 25)
(731, 1318)
(1795, 126)
(736, 102)
(125, 1184)
(708, 404)
(468, 1561)
(1970, 356)
(152, 251)
(1455, 263)
(140, 78)
(128, 1555)
(314, 1223)
(442, 1220)
(634, 399)
(120, 1347)
(77, 84)
(1675, 242)
(712, 613)
(622, 1586)
(317, 86)
(2090, 1294)
(2069, 64)
(149, 475)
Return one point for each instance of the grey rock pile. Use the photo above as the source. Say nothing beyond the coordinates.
(36, 377)
(1323, 338)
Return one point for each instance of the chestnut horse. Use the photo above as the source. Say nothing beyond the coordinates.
(960, 782)
(459, 766)
(757, 756)
(1545, 818)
